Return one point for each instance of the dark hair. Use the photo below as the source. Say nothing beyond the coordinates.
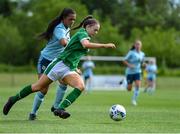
(89, 20)
(133, 47)
(49, 31)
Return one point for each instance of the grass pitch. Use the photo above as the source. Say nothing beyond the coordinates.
(158, 113)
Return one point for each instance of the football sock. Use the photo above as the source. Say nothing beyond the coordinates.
(38, 99)
(59, 95)
(23, 93)
(136, 93)
(70, 98)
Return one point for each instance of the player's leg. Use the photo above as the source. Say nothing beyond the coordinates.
(74, 80)
(87, 86)
(61, 89)
(146, 89)
(41, 84)
(90, 83)
(136, 89)
(38, 99)
(39, 96)
(151, 86)
(129, 79)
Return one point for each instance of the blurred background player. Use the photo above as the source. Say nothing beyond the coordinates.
(87, 67)
(133, 61)
(151, 70)
(57, 35)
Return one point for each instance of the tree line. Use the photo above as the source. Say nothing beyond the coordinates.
(156, 23)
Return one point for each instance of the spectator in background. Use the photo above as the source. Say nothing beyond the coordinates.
(87, 67)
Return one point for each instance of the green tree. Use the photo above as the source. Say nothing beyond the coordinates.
(11, 43)
(160, 43)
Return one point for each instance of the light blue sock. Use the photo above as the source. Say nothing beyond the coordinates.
(59, 95)
(136, 93)
(38, 99)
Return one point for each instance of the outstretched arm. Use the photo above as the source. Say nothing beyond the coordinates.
(87, 44)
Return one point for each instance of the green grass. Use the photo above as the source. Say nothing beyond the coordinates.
(159, 113)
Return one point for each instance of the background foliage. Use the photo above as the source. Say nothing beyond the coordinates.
(156, 23)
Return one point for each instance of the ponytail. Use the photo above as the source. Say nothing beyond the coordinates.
(89, 20)
(49, 31)
(132, 48)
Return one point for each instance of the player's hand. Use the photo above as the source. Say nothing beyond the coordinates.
(110, 45)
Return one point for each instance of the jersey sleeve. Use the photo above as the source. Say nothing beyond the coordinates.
(60, 33)
(128, 56)
(83, 36)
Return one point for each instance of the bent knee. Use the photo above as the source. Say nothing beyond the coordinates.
(37, 87)
(80, 87)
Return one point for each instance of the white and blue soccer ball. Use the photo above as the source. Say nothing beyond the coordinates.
(117, 112)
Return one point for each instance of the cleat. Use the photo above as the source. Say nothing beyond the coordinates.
(8, 106)
(61, 113)
(53, 109)
(32, 116)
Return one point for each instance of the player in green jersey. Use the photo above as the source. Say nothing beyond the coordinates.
(64, 67)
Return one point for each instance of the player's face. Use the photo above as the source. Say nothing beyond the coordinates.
(138, 46)
(69, 20)
(93, 29)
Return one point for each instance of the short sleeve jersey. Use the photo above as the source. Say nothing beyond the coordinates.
(74, 50)
(53, 47)
(151, 70)
(135, 58)
(88, 66)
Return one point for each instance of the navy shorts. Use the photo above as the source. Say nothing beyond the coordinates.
(87, 77)
(42, 64)
(133, 77)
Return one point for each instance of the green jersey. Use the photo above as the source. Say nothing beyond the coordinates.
(74, 49)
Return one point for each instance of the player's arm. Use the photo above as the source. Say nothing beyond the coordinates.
(60, 34)
(125, 61)
(128, 64)
(87, 44)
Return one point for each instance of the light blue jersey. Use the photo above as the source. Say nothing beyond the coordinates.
(151, 71)
(53, 47)
(135, 58)
(88, 66)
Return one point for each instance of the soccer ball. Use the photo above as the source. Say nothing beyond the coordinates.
(117, 112)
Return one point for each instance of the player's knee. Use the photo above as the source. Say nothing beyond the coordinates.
(80, 86)
(44, 91)
(38, 87)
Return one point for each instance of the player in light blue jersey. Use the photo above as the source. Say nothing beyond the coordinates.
(88, 66)
(133, 61)
(57, 36)
(151, 70)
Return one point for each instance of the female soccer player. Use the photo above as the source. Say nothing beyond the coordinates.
(88, 66)
(133, 61)
(64, 68)
(57, 35)
(151, 69)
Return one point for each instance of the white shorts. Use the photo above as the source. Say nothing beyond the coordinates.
(57, 70)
